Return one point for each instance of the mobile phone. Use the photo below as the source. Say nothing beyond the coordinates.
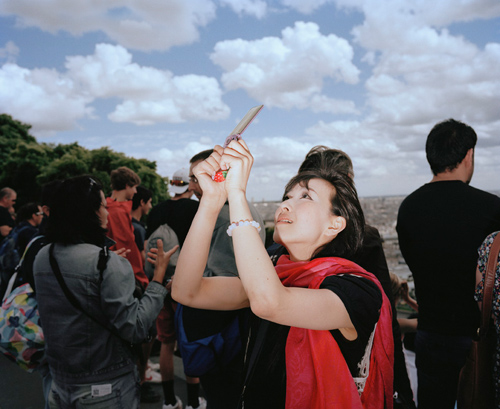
(220, 176)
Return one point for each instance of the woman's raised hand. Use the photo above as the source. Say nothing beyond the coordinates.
(204, 172)
(238, 160)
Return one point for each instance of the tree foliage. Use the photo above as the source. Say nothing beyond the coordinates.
(27, 165)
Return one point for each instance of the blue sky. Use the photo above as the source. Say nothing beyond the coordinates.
(165, 79)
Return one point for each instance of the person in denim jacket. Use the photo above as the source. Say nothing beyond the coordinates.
(89, 355)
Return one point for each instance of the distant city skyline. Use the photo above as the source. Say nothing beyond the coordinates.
(165, 79)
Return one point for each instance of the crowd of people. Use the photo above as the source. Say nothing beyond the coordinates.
(316, 310)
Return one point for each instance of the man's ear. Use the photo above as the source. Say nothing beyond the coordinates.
(338, 224)
(469, 155)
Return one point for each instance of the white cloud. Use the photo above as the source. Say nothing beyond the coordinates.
(420, 76)
(54, 101)
(306, 7)
(256, 8)
(10, 52)
(381, 166)
(276, 161)
(355, 138)
(289, 72)
(150, 95)
(142, 25)
(428, 75)
(435, 13)
(41, 97)
(169, 160)
(418, 71)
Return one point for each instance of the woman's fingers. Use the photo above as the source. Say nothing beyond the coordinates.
(219, 149)
(236, 151)
(214, 160)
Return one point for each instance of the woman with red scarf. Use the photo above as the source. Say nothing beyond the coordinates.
(321, 333)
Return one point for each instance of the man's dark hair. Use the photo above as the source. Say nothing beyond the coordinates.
(73, 212)
(123, 177)
(344, 203)
(143, 194)
(448, 144)
(26, 211)
(201, 156)
(323, 157)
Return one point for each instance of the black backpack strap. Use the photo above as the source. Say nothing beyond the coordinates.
(57, 272)
(103, 262)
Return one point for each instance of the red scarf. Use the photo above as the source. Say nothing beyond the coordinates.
(317, 374)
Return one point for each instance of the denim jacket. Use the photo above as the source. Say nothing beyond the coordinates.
(78, 349)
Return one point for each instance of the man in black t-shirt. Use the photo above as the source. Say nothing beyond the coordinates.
(178, 213)
(8, 199)
(29, 218)
(440, 228)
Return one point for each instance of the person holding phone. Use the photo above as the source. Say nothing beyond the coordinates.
(329, 315)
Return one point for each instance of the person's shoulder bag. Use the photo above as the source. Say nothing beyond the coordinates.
(21, 336)
(476, 387)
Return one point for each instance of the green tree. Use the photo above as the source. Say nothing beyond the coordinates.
(21, 169)
(27, 164)
(11, 133)
(64, 167)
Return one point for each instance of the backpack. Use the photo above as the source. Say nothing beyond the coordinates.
(21, 336)
(205, 355)
(9, 257)
(169, 239)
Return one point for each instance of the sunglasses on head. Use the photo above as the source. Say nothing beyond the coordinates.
(178, 182)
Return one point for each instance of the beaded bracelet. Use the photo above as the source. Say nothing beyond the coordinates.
(246, 222)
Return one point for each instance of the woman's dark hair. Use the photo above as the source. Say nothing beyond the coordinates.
(48, 191)
(73, 212)
(344, 203)
(322, 157)
(26, 211)
(448, 144)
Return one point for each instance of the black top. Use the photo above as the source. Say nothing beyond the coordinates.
(266, 387)
(178, 214)
(139, 233)
(440, 228)
(372, 258)
(5, 219)
(26, 233)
